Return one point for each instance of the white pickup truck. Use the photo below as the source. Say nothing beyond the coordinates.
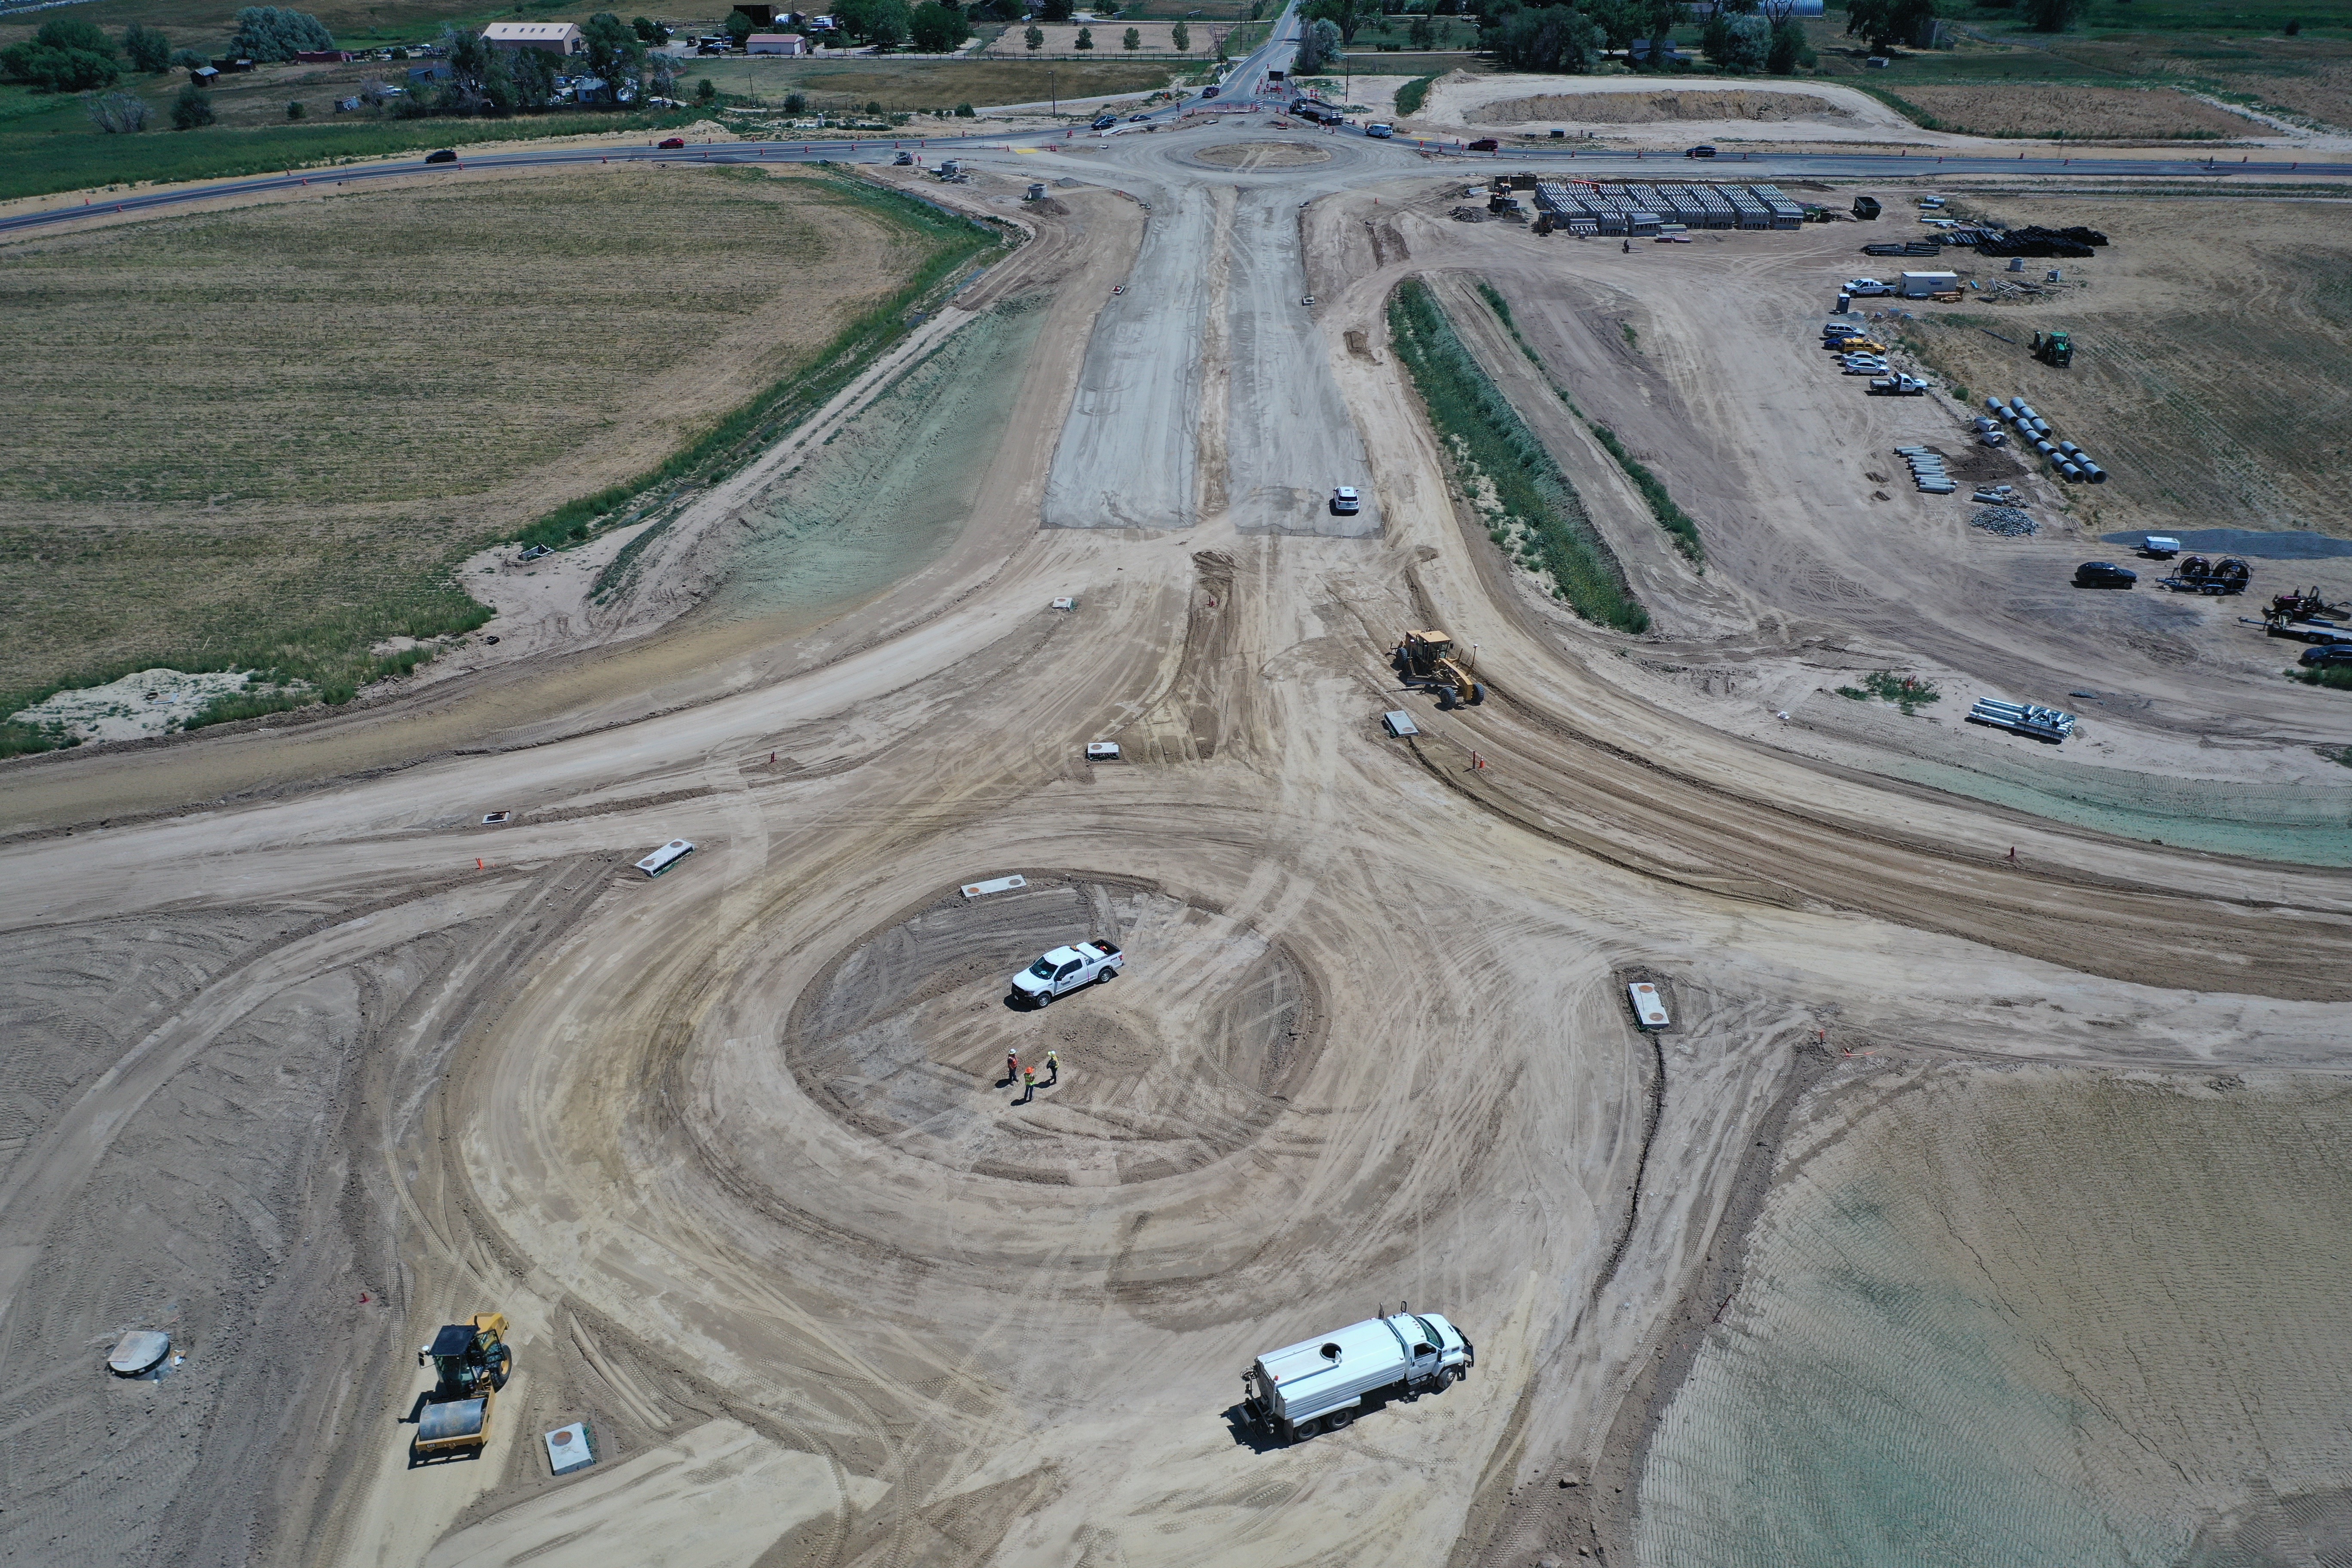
(1319, 1384)
(1068, 969)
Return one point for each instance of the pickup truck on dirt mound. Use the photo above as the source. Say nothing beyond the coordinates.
(1068, 969)
(1320, 1384)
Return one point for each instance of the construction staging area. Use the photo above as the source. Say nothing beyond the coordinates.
(1969, 1184)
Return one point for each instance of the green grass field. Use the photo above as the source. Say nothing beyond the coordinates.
(2244, 57)
(51, 146)
(2240, 17)
(917, 87)
(262, 437)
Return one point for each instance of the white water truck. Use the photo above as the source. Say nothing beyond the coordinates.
(1320, 1384)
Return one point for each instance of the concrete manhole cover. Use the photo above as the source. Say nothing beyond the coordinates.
(1178, 1062)
(1247, 155)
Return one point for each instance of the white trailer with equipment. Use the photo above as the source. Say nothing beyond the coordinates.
(1320, 1384)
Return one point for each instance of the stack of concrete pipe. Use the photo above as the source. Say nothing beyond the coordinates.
(1927, 470)
(2071, 462)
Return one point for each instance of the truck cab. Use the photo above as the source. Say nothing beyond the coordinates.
(1068, 969)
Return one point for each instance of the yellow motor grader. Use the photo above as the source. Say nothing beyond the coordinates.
(1429, 659)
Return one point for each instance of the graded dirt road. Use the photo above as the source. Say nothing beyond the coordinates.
(307, 1073)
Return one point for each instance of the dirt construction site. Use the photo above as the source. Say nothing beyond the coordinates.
(1982, 1196)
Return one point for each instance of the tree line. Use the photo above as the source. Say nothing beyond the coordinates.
(1568, 36)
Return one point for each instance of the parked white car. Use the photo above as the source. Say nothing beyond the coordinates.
(1068, 969)
(1861, 287)
(1345, 502)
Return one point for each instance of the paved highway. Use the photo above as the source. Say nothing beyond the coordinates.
(1595, 165)
(1280, 44)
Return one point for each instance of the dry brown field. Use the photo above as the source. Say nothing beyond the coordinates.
(212, 418)
(2307, 75)
(2212, 370)
(2095, 113)
(1061, 38)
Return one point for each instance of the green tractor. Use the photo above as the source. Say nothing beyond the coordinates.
(2054, 349)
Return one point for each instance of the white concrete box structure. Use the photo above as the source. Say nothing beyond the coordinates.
(662, 859)
(775, 43)
(1919, 285)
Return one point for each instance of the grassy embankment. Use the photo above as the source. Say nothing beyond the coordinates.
(1493, 453)
(956, 243)
(1678, 522)
(287, 499)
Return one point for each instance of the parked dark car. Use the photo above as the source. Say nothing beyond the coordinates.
(1484, 144)
(2104, 575)
(670, 142)
(443, 155)
(1701, 151)
(2327, 658)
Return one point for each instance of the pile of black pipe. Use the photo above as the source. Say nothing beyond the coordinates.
(2036, 241)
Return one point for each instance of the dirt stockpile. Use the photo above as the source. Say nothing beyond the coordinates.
(2123, 113)
(1652, 107)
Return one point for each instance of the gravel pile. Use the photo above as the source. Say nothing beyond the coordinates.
(2005, 520)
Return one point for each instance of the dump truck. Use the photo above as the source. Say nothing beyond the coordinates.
(471, 1362)
(1427, 659)
(1068, 969)
(2054, 349)
(1320, 1384)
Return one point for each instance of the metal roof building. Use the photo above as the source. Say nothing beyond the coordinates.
(551, 38)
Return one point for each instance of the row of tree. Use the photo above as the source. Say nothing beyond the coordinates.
(1568, 35)
(70, 54)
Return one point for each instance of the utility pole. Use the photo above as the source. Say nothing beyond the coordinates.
(1051, 93)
